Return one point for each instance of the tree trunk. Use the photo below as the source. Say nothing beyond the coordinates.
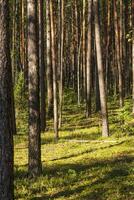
(33, 85)
(84, 49)
(55, 103)
(117, 44)
(89, 50)
(107, 45)
(49, 64)
(61, 64)
(105, 126)
(42, 67)
(133, 50)
(6, 129)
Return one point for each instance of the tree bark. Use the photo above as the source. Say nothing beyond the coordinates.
(105, 125)
(42, 67)
(133, 50)
(61, 64)
(89, 50)
(117, 44)
(55, 103)
(6, 129)
(33, 85)
(49, 64)
(84, 49)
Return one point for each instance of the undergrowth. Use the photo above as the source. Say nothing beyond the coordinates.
(81, 165)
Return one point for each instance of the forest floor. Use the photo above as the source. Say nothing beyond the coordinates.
(81, 165)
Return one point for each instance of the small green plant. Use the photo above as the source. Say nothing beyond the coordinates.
(125, 117)
(21, 103)
(20, 93)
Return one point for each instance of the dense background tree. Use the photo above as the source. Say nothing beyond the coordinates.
(68, 54)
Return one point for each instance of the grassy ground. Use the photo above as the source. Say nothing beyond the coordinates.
(82, 165)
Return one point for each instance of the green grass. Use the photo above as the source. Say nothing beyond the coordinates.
(81, 165)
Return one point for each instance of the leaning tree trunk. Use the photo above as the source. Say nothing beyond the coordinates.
(33, 85)
(6, 129)
(105, 125)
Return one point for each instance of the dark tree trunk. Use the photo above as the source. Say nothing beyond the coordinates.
(42, 67)
(6, 129)
(84, 49)
(133, 51)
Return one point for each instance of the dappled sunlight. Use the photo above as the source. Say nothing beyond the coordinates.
(81, 165)
(80, 172)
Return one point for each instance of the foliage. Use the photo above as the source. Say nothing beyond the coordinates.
(21, 103)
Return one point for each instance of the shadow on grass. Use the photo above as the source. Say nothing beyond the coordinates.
(87, 151)
(96, 189)
(81, 135)
(79, 126)
(73, 134)
(88, 180)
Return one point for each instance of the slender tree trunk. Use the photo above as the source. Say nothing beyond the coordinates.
(55, 103)
(34, 105)
(61, 63)
(73, 47)
(78, 73)
(107, 46)
(59, 41)
(117, 43)
(6, 129)
(89, 50)
(84, 48)
(22, 39)
(13, 40)
(13, 112)
(49, 64)
(97, 91)
(105, 125)
(78, 48)
(25, 47)
(42, 67)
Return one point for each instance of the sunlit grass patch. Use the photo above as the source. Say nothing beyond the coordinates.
(81, 165)
(74, 170)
